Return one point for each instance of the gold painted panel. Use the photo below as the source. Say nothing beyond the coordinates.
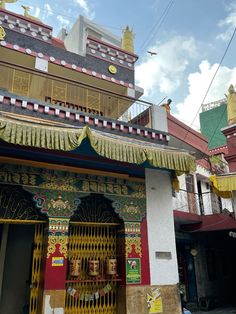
(60, 92)
(21, 83)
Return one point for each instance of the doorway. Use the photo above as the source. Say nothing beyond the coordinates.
(20, 263)
(93, 239)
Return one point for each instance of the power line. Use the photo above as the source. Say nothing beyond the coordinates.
(156, 27)
(211, 82)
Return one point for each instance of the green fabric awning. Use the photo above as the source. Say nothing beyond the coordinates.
(41, 134)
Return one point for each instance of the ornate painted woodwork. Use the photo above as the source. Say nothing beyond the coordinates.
(38, 179)
(17, 205)
(54, 203)
(95, 205)
(95, 208)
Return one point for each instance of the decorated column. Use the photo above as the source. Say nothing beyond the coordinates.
(59, 206)
(135, 263)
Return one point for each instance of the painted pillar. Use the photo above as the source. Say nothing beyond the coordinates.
(161, 235)
(134, 264)
(56, 266)
(59, 206)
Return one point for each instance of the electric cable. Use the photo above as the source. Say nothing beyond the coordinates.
(156, 27)
(211, 82)
(203, 154)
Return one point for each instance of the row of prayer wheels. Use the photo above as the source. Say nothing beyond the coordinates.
(93, 267)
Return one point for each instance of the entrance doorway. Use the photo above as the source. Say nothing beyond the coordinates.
(93, 241)
(20, 263)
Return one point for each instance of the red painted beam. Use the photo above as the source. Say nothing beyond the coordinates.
(186, 134)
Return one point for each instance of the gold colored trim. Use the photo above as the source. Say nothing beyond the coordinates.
(53, 241)
(112, 69)
(22, 222)
(133, 243)
(38, 164)
(2, 33)
(81, 223)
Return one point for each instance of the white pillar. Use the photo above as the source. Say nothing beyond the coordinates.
(161, 233)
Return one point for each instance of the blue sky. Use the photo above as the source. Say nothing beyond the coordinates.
(190, 43)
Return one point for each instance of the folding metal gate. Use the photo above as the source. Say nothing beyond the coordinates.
(90, 241)
(36, 277)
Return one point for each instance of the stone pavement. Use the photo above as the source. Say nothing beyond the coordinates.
(230, 310)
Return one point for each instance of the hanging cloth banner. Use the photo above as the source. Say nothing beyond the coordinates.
(19, 131)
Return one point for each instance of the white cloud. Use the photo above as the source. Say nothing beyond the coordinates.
(229, 22)
(164, 71)
(64, 22)
(87, 11)
(198, 83)
(37, 12)
(48, 10)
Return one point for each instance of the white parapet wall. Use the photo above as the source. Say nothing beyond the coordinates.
(161, 233)
(159, 119)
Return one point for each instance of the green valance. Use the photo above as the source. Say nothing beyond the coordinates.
(66, 138)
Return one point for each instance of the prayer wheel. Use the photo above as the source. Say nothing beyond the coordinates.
(75, 267)
(111, 266)
(93, 267)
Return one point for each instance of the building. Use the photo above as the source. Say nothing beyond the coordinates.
(203, 218)
(85, 193)
(201, 213)
(216, 113)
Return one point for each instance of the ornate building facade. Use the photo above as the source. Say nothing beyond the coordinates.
(86, 218)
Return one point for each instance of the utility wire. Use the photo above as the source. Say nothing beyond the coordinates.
(156, 27)
(211, 82)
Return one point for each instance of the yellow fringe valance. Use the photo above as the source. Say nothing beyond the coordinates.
(223, 185)
(124, 149)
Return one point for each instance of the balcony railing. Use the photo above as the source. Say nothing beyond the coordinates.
(78, 96)
(204, 204)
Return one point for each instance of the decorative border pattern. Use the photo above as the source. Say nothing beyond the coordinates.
(129, 208)
(58, 226)
(86, 119)
(53, 241)
(64, 64)
(25, 26)
(111, 54)
(55, 203)
(133, 243)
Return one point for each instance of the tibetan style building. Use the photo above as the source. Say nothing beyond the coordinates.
(86, 221)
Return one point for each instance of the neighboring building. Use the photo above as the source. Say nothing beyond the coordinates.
(212, 119)
(81, 190)
(203, 221)
(201, 214)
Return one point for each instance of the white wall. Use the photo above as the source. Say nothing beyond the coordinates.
(161, 234)
(227, 203)
(159, 118)
(75, 41)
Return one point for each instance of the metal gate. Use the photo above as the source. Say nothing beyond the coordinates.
(36, 289)
(88, 241)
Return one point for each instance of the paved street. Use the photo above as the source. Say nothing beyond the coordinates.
(218, 311)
